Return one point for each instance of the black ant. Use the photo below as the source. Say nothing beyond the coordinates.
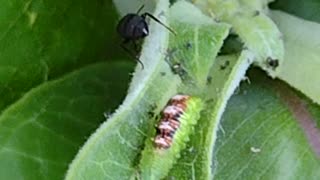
(133, 27)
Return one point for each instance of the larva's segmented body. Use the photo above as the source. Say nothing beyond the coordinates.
(176, 123)
(169, 122)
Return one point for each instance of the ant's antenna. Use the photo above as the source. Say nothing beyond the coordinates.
(158, 21)
(141, 7)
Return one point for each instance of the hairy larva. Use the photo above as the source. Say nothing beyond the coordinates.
(170, 121)
(173, 129)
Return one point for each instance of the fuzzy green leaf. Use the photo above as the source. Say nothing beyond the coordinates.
(195, 46)
(257, 31)
(196, 159)
(124, 132)
(191, 54)
(112, 152)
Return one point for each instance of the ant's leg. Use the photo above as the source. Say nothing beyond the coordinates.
(144, 15)
(136, 46)
(124, 47)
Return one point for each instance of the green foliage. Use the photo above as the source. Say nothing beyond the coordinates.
(63, 77)
(41, 40)
(308, 10)
(260, 137)
(40, 133)
(302, 50)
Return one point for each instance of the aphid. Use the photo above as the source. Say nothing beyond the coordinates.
(209, 80)
(256, 13)
(133, 27)
(178, 68)
(170, 122)
(274, 63)
(170, 54)
(188, 45)
(225, 65)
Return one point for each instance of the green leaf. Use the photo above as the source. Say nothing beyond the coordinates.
(268, 132)
(40, 133)
(125, 133)
(254, 27)
(195, 46)
(196, 159)
(112, 152)
(261, 35)
(307, 9)
(302, 58)
(42, 40)
(192, 51)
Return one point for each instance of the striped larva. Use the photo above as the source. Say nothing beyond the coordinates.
(176, 123)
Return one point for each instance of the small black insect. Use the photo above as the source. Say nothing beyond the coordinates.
(133, 27)
(256, 13)
(225, 65)
(209, 80)
(274, 63)
(188, 45)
